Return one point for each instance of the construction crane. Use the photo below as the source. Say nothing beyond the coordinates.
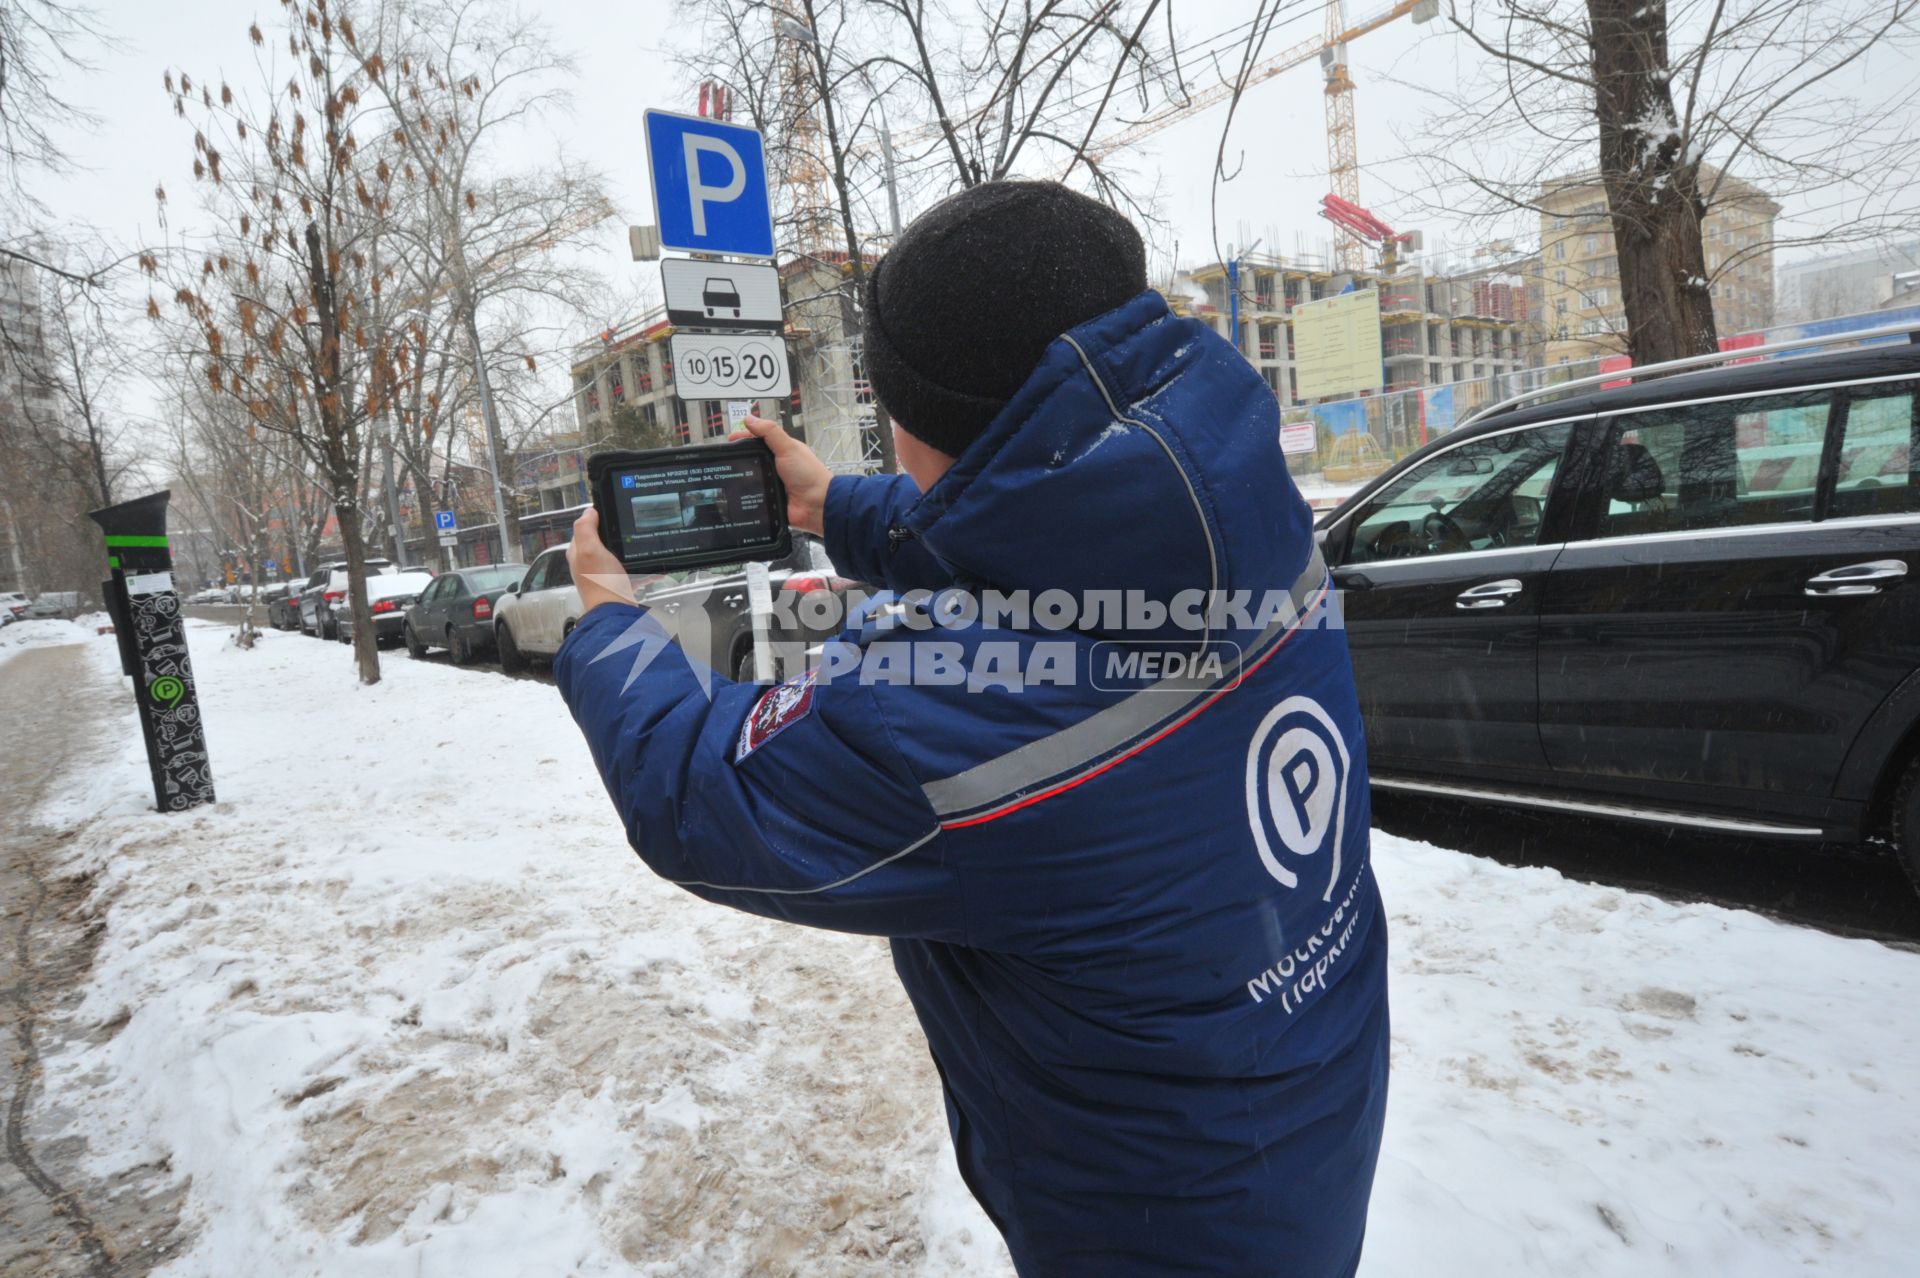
(1361, 225)
(1330, 46)
(804, 162)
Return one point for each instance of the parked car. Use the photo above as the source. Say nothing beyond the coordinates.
(13, 604)
(708, 610)
(389, 595)
(534, 616)
(1688, 601)
(283, 604)
(50, 604)
(327, 586)
(455, 612)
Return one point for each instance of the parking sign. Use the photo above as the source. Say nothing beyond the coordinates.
(709, 185)
(729, 366)
(443, 520)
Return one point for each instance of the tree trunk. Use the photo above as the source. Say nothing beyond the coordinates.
(366, 653)
(343, 459)
(1652, 184)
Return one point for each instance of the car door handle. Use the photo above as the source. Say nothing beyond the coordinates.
(1349, 579)
(1856, 579)
(1488, 594)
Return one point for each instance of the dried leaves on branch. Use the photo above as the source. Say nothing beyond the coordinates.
(353, 231)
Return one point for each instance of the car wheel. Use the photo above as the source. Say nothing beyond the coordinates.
(512, 660)
(459, 647)
(1906, 822)
(415, 649)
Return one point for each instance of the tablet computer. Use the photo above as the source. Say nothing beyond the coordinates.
(668, 508)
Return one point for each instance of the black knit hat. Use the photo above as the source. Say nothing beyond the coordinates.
(960, 311)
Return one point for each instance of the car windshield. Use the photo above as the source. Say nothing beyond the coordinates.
(498, 577)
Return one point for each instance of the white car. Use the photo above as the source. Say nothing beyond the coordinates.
(12, 604)
(534, 617)
(389, 595)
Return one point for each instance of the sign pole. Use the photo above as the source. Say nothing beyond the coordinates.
(712, 200)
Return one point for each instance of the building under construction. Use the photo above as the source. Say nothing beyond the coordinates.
(1434, 329)
(631, 367)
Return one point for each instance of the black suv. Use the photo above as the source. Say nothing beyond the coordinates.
(1686, 601)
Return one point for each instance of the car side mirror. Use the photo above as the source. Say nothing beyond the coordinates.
(1526, 510)
(513, 588)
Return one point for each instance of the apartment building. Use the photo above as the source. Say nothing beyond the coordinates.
(1850, 283)
(1586, 317)
(29, 408)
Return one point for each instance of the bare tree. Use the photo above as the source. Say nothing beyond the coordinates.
(280, 300)
(235, 477)
(455, 77)
(1003, 91)
(1661, 104)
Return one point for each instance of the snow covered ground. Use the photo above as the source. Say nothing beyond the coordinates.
(403, 1003)
(45, 633)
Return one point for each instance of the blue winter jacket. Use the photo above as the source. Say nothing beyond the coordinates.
(1132, 908)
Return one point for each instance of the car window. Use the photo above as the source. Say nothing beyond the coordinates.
(456, 588)
(536, 576)
(1721, 465)
(1482, 495)
(496, 578)
(1879, 453)
(559, 571)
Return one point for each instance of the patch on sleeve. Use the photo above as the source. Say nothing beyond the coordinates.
(781, 705)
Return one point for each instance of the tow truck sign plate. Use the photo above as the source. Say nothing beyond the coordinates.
(734, 295)
(729, 366)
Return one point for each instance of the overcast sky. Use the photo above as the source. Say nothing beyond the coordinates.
(625, 66)
(624, 57)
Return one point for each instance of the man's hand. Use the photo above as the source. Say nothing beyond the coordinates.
(597, 575)
(804, 474)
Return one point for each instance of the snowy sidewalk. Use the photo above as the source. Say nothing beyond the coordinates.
(403, 1002)
(55, 1219)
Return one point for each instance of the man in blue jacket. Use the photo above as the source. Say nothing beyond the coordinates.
(1100, 778)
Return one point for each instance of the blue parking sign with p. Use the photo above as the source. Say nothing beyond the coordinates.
(443, 520)
(709, 185)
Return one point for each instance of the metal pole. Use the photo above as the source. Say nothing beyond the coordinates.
(508, 551)
(886, 160)
(393, 495)
(760, 609)
(1233, 302)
